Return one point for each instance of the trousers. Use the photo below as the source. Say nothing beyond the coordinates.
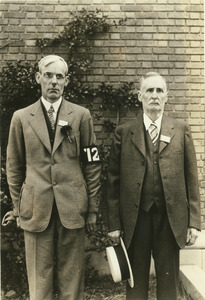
(60, 249)
(153, 236)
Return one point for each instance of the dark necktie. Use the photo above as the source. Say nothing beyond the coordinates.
(153, 131)
(51, 117)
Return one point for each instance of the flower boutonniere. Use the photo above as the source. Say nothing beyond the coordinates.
(66, 130)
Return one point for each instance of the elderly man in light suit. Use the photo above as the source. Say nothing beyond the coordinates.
(53, 195)
(153, 192)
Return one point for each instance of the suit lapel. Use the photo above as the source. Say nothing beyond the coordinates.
(138, 135)
(167, 132)
(65, 114)
(38, 123)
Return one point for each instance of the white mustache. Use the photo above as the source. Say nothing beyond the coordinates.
(154, 102)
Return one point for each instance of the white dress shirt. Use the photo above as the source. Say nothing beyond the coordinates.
(55, 105)
(148, 122)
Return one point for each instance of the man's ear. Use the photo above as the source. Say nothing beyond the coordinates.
(139, 96)
(67, 80)
(167, 93)
(38, 76)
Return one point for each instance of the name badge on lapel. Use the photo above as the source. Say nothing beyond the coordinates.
(165, 138)
(62, 123)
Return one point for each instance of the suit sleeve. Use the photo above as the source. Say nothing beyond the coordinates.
(15, 165)
(113, 184)
(92, 172)
(191, 177)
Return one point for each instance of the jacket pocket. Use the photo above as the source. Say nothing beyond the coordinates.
(26, 202)
(73, 149)
(81, 198)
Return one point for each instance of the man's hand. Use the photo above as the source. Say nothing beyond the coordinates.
(192, 235)
(115, 236)
(91, 221)
(9, 217)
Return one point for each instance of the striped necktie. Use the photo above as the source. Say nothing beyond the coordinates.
(51, 117)
(153, 131)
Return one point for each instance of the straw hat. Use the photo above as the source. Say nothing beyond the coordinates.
(119, 263)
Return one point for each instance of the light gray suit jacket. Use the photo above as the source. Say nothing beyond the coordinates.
(38, 174)
(178, 168)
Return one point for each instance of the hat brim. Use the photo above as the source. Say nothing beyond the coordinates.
(130, 280)
(116, 263)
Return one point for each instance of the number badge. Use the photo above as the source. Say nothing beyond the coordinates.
(90, 155)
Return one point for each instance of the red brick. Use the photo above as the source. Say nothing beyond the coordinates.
(3, 7)
(13, 57)
(14, 22)
(32, 7)
(15, 7)
(14, 29)
(10, 15)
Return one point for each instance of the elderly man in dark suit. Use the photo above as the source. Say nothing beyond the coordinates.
(153, 192)
(53, 195)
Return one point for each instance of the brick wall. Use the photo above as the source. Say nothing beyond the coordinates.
(161, 35)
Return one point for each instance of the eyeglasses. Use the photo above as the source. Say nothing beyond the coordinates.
(49, 75)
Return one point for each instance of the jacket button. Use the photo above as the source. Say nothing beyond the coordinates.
(138, 184)
(142, 163)
(54, 183)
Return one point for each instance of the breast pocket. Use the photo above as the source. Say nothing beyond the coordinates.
(73, 145)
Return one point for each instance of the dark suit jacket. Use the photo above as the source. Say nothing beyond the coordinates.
(37, 174)
(178, 168)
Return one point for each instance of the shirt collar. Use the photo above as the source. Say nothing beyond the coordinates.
(55, 105)
(148, 121)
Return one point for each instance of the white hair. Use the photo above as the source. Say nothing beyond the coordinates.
(151, 74)
(47, 60)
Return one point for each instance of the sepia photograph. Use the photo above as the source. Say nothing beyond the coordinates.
(102, 150)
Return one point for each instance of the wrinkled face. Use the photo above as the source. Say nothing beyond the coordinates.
(153, 95)
(52, 79)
